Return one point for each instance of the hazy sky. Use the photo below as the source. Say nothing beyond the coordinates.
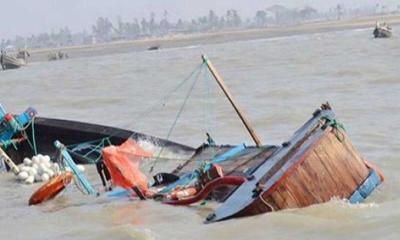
(24, 17)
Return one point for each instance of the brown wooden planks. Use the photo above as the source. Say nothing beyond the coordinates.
(333, 168)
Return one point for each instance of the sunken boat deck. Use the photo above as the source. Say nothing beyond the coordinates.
(241, 164)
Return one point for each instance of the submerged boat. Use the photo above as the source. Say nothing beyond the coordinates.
(317, 164)
(382, 30)
(26, 135)
(81, 137)
(11, 58)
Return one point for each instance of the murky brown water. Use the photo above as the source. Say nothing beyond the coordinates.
(278, 82)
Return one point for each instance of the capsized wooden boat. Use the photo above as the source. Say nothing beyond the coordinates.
(45, 131)
(382, 30)
(317, 164)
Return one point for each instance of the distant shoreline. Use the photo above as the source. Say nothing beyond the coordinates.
(182, 40)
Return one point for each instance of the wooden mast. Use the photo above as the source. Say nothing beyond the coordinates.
(221, 83)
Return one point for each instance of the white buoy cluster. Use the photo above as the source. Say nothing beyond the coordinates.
(37, 169)
(40, 169)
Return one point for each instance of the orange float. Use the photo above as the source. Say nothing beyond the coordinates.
(183, 193)
(51, 188)
(203, 193)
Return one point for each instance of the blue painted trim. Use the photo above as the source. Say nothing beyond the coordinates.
(184, 180)
(356, 197)
(369, 184)
(366, 188)
(226, 155)
(229, 154)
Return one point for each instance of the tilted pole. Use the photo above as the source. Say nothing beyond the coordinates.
(9, 162)
(221, 83)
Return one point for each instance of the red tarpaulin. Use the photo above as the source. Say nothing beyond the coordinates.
(123, 163)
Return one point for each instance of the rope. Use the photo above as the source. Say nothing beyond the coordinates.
(75, 145)
(143, 114)
(178, 115)
(25, 135)
(336, 126)
(96, 148)
(266, 203)
(23, 129)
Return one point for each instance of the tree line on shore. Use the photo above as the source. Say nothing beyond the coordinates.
(104, 30)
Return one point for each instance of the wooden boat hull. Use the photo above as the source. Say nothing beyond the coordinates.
(47, 130)
(318, 163)
(9, 62)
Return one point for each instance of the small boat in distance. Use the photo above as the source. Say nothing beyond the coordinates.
(155, 47)
(382, 30)
(57, 56)
(11, 58)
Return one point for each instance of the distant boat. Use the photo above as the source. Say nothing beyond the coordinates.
(57, 56)
(152, 48)
(11, 58)
(382, 30)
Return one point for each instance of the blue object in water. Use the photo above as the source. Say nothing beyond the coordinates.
(187, 178)
(9, 128)
(70, 163)
(366, 188)
(225, 156)
(356, 197)
(117, 193)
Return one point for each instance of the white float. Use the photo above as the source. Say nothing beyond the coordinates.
(39, 169)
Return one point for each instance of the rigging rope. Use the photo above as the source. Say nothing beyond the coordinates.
(25, 135)
(179, 114)
(100, 143)
(145, 113)
(165, 99)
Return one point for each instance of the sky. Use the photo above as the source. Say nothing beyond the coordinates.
(25, 17)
